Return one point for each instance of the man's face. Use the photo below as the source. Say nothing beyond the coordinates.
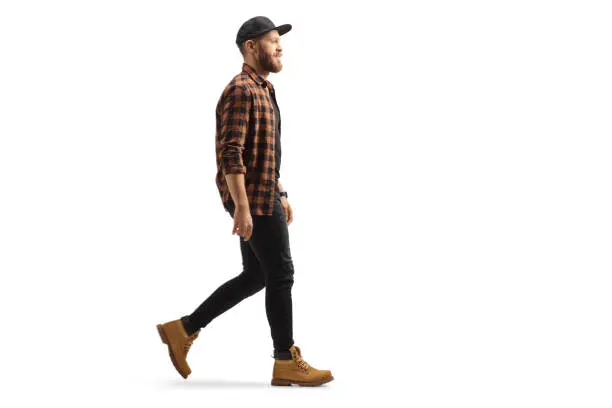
(269, 51)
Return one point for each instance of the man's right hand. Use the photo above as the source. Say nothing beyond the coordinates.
(243, 222)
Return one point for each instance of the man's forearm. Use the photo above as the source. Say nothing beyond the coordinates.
(235, 182)
(280, 186)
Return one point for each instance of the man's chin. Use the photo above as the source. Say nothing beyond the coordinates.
(275, 67)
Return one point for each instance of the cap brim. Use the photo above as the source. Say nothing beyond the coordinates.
(283, 29)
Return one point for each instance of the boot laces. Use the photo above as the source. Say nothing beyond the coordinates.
(299, 361)
(302, 364)
(190, 340)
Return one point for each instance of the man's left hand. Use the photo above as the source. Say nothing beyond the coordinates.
(288, 210)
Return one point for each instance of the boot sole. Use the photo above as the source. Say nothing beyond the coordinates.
(280, 382)
(164, 340)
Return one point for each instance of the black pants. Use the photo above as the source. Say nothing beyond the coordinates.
(266, 261)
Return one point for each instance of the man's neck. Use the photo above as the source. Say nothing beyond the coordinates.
(257, 68)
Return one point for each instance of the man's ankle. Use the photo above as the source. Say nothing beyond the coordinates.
(189, 329)
(282, 355)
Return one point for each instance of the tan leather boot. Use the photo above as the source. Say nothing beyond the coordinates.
(174, 335)
(297, 371)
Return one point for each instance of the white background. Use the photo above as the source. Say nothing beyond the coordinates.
(449, 168)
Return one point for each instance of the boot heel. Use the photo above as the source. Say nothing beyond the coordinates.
(161, 334)
(276, 381)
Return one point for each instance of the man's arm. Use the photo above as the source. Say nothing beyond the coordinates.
(234, 128)
(235, 182)
(286, 206)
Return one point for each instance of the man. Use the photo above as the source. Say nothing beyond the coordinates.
(248, 154)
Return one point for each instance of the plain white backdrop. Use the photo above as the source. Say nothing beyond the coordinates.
(449, 167)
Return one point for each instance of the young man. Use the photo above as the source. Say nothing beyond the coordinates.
(248, 169)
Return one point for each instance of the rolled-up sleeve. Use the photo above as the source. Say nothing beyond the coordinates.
(235, 109)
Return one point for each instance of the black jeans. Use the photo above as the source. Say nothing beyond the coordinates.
(266, 261)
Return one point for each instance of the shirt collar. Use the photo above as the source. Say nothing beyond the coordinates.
(256, 77)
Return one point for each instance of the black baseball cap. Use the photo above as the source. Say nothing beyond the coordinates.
(257, 26)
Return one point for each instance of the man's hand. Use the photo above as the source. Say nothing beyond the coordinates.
(288, 209)
(243, 222)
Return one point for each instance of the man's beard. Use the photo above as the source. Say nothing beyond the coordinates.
(268, 62)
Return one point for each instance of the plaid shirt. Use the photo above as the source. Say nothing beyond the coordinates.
(245, 140)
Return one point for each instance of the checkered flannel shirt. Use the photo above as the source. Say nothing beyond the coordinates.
(245, 139)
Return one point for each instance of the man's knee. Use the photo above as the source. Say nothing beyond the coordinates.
(283, 277)
(254, 280)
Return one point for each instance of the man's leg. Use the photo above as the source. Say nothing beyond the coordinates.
(232, 292)
(270, 243)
